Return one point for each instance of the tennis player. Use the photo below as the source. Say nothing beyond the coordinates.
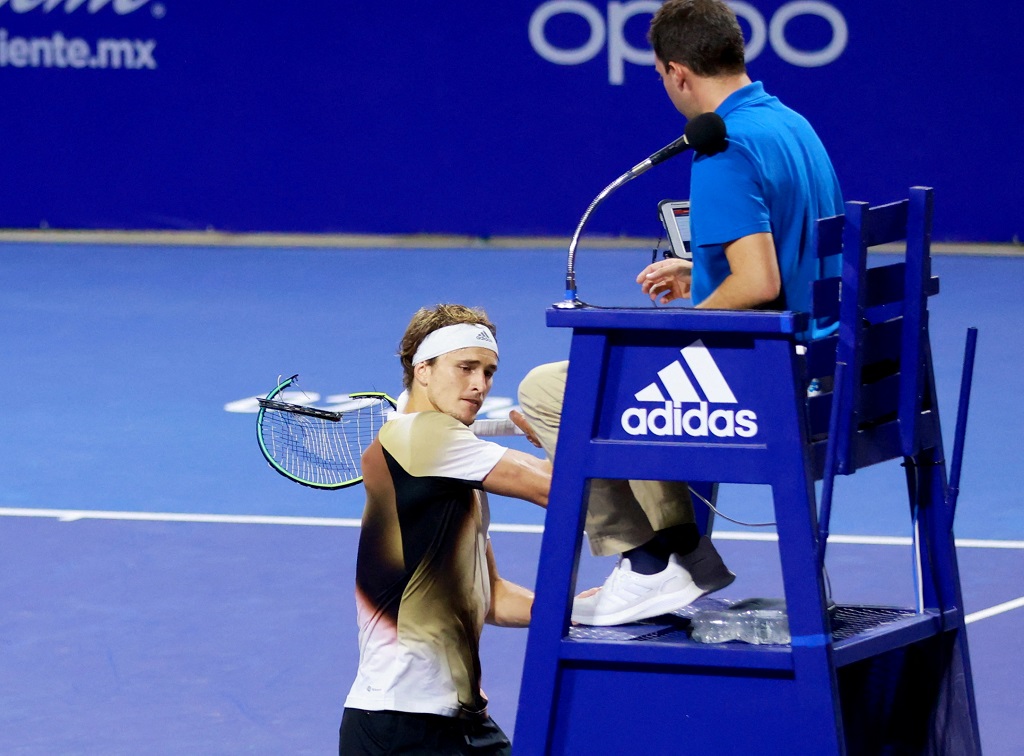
(426, 579)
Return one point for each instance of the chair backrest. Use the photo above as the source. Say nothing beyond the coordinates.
(885, 392)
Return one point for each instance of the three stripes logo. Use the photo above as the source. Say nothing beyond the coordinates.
(677, 385)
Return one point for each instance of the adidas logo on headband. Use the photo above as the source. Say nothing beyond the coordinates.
(450, 338)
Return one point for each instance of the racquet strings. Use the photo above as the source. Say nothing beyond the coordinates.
(319, 452)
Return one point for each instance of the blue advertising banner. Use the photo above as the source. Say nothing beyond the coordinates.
(470, 118)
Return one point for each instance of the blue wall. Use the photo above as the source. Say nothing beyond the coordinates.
(470, 117)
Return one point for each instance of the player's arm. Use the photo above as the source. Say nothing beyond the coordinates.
(754, 277)
(520, 475)
(511, 604)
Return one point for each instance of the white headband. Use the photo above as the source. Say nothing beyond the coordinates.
(450, 338)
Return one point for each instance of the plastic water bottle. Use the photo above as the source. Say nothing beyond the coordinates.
(753, 621)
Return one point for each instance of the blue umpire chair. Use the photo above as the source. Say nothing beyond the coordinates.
(856, 679)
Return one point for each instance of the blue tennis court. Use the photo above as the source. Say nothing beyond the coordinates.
(164, 591)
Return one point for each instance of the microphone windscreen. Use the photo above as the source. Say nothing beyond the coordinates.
(706, 134)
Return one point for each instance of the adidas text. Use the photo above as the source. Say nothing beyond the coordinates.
(671, 420)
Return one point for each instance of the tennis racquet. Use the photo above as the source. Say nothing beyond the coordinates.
(316, 447)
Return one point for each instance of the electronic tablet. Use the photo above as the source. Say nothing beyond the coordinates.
(675, 216)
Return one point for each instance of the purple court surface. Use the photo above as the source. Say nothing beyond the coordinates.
(163, 591)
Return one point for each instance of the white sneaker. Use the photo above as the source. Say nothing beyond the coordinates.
(628, 596)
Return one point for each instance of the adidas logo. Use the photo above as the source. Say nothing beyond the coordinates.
(484, 336)
(670, 419)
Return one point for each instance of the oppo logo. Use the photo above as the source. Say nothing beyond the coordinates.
(120, 7)
(608, 31)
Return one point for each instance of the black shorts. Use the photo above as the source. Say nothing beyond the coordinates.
(375, 733)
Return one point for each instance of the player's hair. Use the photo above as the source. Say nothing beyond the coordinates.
(702, 35)
(429, 319)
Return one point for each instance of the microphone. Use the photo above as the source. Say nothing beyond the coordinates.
(704, 134)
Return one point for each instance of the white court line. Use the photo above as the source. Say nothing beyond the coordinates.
(961, 543)
(73, 515)
(992, 611)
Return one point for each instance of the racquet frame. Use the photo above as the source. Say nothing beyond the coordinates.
(270, 403)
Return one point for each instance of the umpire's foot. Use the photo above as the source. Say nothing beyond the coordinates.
(629, 596)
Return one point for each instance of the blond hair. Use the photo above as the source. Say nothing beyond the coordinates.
(429, 319)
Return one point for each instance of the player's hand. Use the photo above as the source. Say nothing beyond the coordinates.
(666, 280)
(586, 594)
(521, 423)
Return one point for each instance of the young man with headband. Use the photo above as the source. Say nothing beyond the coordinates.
(426, 579)
(754, 207)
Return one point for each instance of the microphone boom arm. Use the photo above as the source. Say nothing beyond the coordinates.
(705, 134)
(571, 300)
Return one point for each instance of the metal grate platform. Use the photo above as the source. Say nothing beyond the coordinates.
(847, 622)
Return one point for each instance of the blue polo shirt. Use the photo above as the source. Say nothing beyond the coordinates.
(775, 176)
